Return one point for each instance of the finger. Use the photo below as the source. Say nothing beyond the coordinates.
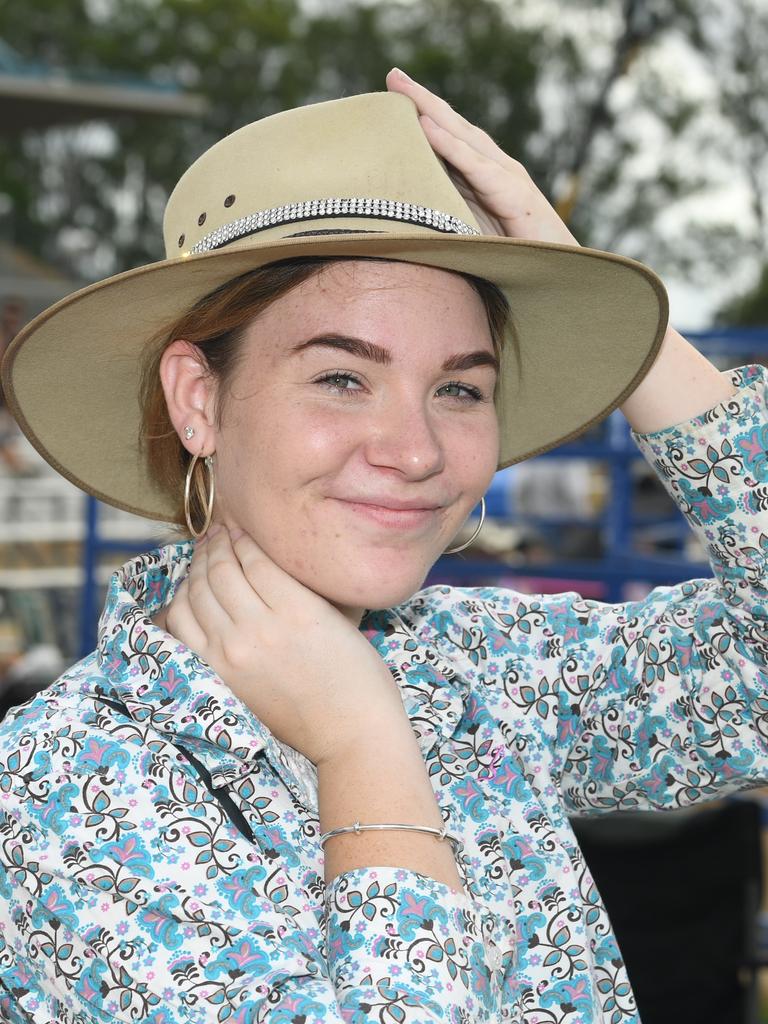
(206, 608)
(487, 178)
(442, 113)
(181, 623)
(228, 582)
(276, 587)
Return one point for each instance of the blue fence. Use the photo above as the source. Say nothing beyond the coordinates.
(619, 563)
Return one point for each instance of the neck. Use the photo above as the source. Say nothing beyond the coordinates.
(355, 615)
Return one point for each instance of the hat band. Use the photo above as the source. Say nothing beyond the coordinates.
(312, 209)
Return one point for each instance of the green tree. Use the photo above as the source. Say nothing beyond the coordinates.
(94, 200)
(750, 309)
(657, 107)
(628, 112)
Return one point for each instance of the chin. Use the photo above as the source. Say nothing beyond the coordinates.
(374, 593)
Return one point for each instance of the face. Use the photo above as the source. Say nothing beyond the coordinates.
(359, 430)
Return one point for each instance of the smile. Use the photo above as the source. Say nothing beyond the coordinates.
(392, 518)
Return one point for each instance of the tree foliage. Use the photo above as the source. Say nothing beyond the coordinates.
(635, 114)
(750, 309)
(101, 208)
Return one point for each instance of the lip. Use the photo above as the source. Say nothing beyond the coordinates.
(402, 515)
(395, 504)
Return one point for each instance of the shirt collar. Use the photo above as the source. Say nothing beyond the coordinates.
(164, 684)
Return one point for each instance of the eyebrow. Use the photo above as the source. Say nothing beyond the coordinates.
(377, 354)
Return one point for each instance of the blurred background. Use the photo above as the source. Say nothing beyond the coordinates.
(645, 121)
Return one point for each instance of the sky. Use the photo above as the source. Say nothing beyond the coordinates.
(692, 304)
(687, 73)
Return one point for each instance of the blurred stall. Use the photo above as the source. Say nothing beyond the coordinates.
(43, 520)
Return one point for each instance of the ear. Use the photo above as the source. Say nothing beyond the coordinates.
(190, 395)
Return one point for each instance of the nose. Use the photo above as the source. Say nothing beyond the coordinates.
(405, 438)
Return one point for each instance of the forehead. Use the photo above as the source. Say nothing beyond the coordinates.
(396, 305)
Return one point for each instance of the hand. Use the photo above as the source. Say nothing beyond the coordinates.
(500, 185)
(308, 674)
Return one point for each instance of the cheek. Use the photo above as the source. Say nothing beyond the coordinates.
(476, 455)
(326, 438)
(272, 460)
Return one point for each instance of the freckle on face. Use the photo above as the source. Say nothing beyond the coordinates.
(288, 448)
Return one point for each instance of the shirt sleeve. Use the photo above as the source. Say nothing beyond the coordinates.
(405, 947)
(401, 946)
(106, 917)
(660, 702)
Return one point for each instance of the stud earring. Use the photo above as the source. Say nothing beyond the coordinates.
(189, 433)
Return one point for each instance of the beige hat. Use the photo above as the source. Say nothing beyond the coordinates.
(360, 173)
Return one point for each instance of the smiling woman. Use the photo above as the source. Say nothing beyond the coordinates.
(289, 786)
(313, 457)
(220, 322)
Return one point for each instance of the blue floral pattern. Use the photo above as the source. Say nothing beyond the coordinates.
(159, 854)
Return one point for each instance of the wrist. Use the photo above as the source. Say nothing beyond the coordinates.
(363, 739)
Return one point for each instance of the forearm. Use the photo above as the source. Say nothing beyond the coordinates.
(384, 779)
(681, 383)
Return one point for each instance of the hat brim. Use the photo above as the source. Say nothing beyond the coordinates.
(589, 325)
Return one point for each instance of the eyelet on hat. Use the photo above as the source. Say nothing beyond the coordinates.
(201, 219)
(229, 200)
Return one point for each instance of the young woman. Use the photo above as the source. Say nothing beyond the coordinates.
(289, 786)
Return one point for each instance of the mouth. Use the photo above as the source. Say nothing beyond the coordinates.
(392, 517)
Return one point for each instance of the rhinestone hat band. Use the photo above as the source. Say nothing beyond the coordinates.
(311, 209)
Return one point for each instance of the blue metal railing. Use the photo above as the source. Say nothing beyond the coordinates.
(619, 564)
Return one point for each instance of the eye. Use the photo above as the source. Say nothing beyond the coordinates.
(340, 382)
(463, 392)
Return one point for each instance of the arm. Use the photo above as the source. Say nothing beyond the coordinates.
(660, 702)
(682, 383)
(682, 709)
(363, 784)
(402, 937)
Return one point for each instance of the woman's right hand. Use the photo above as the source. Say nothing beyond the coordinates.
(304, 669)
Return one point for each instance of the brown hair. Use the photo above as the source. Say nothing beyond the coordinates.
(216, 324)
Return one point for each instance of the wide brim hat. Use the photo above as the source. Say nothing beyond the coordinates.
(349, 177)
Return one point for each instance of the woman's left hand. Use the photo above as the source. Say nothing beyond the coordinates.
(682, 382)
(503, 187)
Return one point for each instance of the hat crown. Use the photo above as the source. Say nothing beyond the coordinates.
(368, 147)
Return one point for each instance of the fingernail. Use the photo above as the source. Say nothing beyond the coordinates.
(236, 533)
(402, 74)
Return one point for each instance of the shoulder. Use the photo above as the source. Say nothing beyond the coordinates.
(54, 708)
(478, 628)
(441, 611)
(497, 630)
(60, 749)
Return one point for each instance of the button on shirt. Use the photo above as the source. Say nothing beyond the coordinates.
(159, 853)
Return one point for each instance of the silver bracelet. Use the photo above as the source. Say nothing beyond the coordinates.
(357, 828)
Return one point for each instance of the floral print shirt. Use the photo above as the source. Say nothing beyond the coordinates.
(159, 854)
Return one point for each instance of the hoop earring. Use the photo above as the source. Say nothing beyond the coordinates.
(452, 551)
(208, 461)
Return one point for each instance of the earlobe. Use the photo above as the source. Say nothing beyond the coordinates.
(188, 390)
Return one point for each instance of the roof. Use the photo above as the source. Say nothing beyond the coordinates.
(34, 283)
(35, 95)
